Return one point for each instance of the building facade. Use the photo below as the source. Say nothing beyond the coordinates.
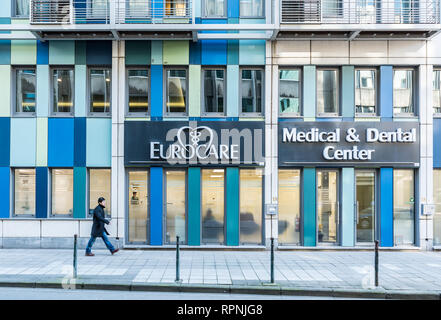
(223, 122)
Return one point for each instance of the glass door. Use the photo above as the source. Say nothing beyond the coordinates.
(327, 206)
(175, 206)
(138, 221)
(365, 205)
(213, 206)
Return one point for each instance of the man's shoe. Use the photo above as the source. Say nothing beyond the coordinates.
(90, 254)
(115, 251)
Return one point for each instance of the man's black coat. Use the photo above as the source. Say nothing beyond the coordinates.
(98, 222)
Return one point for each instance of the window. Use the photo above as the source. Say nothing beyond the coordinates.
(99, 186)
(332, 8)
(176, 91)
(138, 90)
(436, 91)
(289, 91)
(365, 91)
(437, 203)
(403, 92)
(176, 8)
(62, 192)
(175, 206)
(213, 206)
(251, 8)
(62, 90)
(250, 217)
(99, 92)
(25, 84)
(327, 92)
(24, 192)
(137, 11)
(289, 206)
(215, 8)
(251, 91)
(214, 91)
(407, 11)
(404, 207)
(21, 8)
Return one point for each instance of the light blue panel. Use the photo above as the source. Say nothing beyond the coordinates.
(251, 52)
(5, 9)
(62, 52)
(197, 7)
(309, 91)
(156, 205)
(309, 207)
(156, 56)
(43, 90)
(233, 91)
(98, 142)
(436, 143)
(386, 207)
(5, 173)
(386, 92)
(348, 91)
(347, 209)
(23, 142)
(80, 90)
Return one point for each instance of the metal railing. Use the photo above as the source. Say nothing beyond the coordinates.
(360, 11)
(153, 11)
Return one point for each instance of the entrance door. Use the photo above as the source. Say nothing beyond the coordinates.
(138, 224)
(365, 205)
(327, 206)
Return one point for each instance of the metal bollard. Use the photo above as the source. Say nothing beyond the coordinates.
(376, 262)
(272, 260)
(75, 257)
(177, 260)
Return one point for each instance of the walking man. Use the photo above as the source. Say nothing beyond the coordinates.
(98, 229)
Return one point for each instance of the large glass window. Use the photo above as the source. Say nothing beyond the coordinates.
(62, 90)
(21, 8)
(404, 207)
(138, 90)
(251, 8)
(332, 8)
(24, 192)
(25, 84)
(365, 91)
(62, 192)
(403, 97)
(250, 220)
(214, 8)
(99, 91)
(289, 206)
(327, 206)
(251, 90)
(436, 91)
(289, 91)
(437, 202)
(138, 224)
(175, 206)
(213, 206)
(99, 186)
(327, 92)
(214, 91)
(176, 96)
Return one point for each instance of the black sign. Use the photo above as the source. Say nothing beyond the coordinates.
(349, 143)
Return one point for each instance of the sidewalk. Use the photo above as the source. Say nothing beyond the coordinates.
(326, 273)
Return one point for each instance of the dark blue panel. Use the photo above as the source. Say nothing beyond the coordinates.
(156, 205)
(233, 8)
(5, 144)
(41, 192)
(99, 53)
(386, 207)
(42, 52)
(436, 143)
(318, 119)
(195, 52)
(386, 92)
(5, 51)
(80, 142)
(156, 89)
(214, 52)
(233, 52)
(61, 142)
(4, 191)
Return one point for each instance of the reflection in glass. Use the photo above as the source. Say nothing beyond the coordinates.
(138, 207)
(251, 206)
(327, 91)
(138, 82)
(251, 91)
(365, 96)
(403, 91)
(176, 205)
(214, 88)
(176, 8)
(63, 89)
(365, 187)
(25, 90)
(99, 186)
(176, 91)
(436, 91)
(213, 206)
(404, 207)
(327, 206)
(214, 8)
(22, 8)
(437, 202)
(289, 207)
(251, 8)
(289, 91)
(62, 191)
(24, 192)
(99, 90)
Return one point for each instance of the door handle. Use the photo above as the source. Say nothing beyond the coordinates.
(338, 212)
(358, 212)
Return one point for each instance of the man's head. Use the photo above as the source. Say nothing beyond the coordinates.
(102, 201)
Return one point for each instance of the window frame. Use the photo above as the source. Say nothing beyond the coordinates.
(13, 175)
(338, 91)
(436, 114)
(14, 111)
(88, 92)
(252, 114)
(291, 114)
(214, 17)
(414, 113)
(205, 113)
(254, 17)
(149, 92)
(50, 187)
(88, 214)
(14, 10)
(165, 92)
(377, 86)
(52, 113)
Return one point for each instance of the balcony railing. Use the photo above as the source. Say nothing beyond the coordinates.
(360, 11)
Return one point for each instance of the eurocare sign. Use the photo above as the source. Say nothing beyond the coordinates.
(349, 143)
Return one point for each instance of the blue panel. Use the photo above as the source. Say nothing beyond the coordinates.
(4, 191)
(41, 192)
(156, 205)
(156, 89)
(99, 52)
(42, 52)
(79, 193)
(195, 52)
(320, 119)
(233, 52)
(309, 208)
(194, 206)
(233, 8)
(5, 51)
(214, 52)
(99, 142)
(6, 9)
(252, 52)
(60, 142)
(80, 142)
(232, 192)
(5, 137)
(386, 92)
(309, 91)
(348, 212)
(386, 207)
(436, 143)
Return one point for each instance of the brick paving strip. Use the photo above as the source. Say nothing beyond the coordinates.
(318, 273)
